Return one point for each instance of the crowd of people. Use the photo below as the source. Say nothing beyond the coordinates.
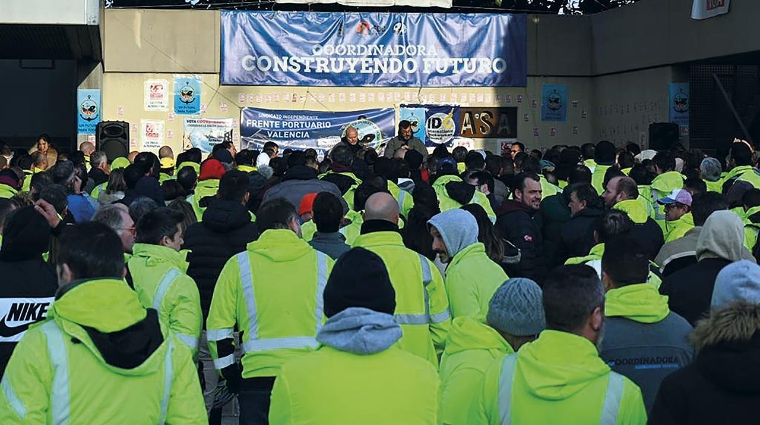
(591, 284)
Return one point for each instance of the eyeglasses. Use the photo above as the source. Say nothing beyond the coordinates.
(132, 230)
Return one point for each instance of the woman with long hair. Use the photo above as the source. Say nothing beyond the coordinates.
(486, 233)
(416, 234)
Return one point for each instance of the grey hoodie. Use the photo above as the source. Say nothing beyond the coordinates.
(722, 237)
(458, 229)
(360, 331)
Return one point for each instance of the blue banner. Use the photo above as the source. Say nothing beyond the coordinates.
(442, 123)
(373, 49)
(678, 110)
(554, 103)
(314, 129)
(416, 117)
(187, 95)
(88, 110)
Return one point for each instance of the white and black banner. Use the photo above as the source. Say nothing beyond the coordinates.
(16, 314)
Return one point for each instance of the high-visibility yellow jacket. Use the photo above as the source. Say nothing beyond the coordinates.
(558, 378)
(332, 387)
(471, 280)
(272, 292)
(678, 228)
(422, 308)
(662, 185)
(471, 347)
(404, 198)
(597, 177)
(447, 203)
(160, 281)
(58, 375)
(203, 189)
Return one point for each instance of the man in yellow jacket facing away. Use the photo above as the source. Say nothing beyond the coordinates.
(272, 293)
(559, 378)
(157, 273)
(358, 375)
(100, 357)
(471, 277)
(422, 308)
(515, 317)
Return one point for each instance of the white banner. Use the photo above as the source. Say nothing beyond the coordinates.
(703, 9)
(378, 3)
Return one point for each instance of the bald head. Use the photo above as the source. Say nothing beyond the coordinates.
(166, 152)
(381, 206)
(87, 148)
(131, 156)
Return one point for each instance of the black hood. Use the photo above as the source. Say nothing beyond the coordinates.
(460, 191)
(130, 347)
(223, 216)
(300, 172)
(589, 212)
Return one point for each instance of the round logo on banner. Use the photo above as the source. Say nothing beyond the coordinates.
(681, 102)
(440, 127)
(88, 110)
(554, 101)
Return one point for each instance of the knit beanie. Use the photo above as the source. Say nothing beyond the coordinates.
(739, 281)
(711, 169)
(517, 308)
(223, 155)
(26, 235)
(359, 279)
(211, 169)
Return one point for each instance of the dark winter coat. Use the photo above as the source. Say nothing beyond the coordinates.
(577, 237)
(224, 231)
(554, 216)
(516, 224)
(690, 289)
(722, 385)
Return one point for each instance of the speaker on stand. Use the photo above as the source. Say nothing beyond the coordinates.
(112, 137)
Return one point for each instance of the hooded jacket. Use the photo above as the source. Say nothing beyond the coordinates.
(423, 314)
(751, 221)
(594, 260)
(662, 185)
(453, 192)
(597, 177)
(646, 231)
(118, 367)
(677, 228)
(158, 273)
(283, 274)
(556, 377)
(722, 385)
(225, 230)
(644, 340)
(345, 180)
(298, 182)
(680, 253)
(720, 243)
(203, 189)
(554, 216)
(732, 175)
(471, 277)
(356, 376)
(470, 348)
(517, 224)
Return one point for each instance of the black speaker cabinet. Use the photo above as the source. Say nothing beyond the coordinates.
(663, 135)
(112, 137)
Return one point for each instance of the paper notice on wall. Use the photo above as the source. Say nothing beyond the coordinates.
(703, 9)
(151, 135)
(156, 95)
(204, 133)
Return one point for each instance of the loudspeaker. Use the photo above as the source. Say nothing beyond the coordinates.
(663, 135)
(112, 137)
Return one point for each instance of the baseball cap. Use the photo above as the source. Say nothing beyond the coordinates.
(677, 195)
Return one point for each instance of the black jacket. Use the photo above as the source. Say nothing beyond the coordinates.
(27, 290)
(690, 289)
(516, 224)
(147, 186)
(224, 231)
(722, 385)
(97, 176)
(577, 237)
(554, 216)
(649, 235)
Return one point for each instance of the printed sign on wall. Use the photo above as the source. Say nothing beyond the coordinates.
(187, 95)
(88, 111)
(678, 106)
(204, 133)
(156, 96)
(554, 103)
